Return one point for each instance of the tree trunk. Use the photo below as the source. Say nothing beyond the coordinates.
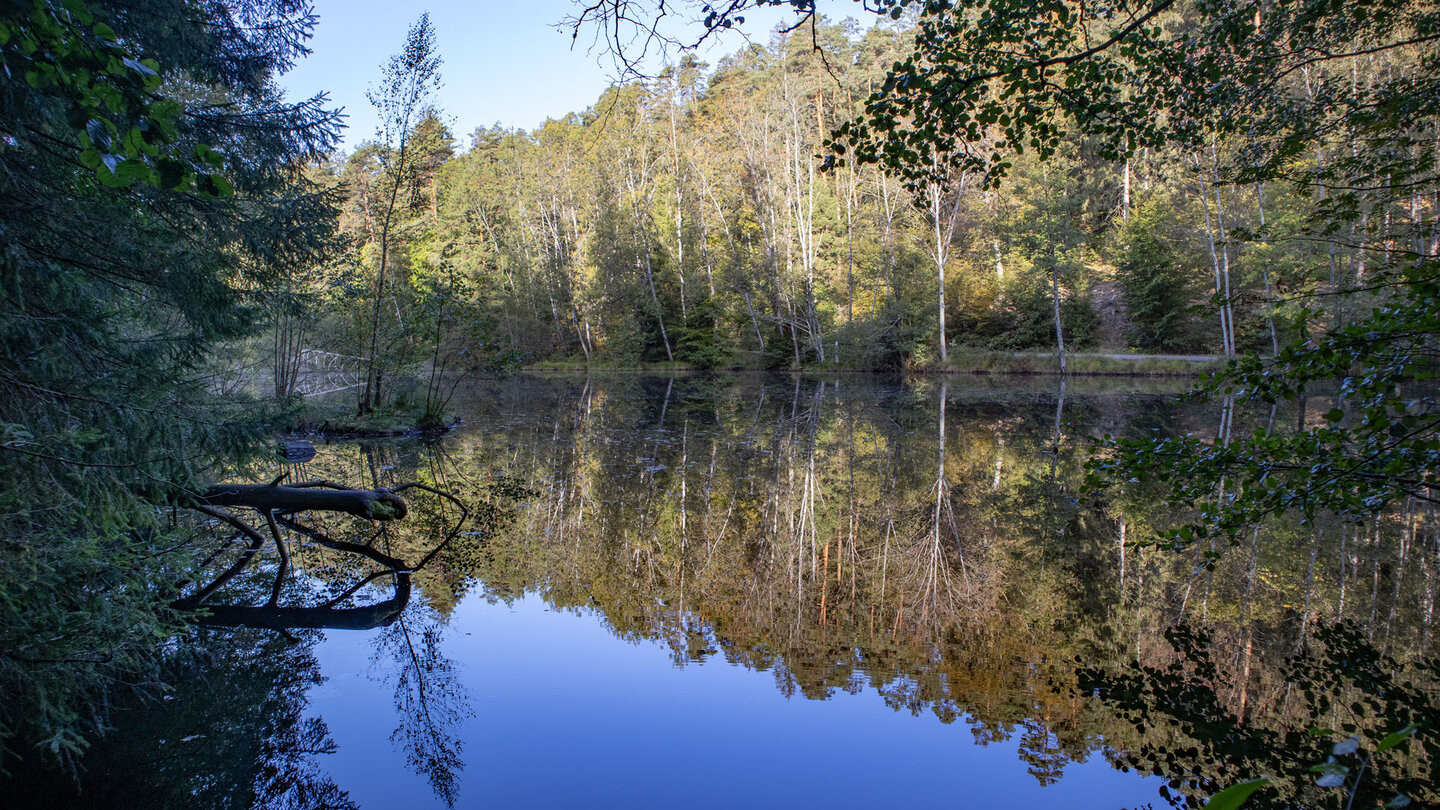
(1265, 274)
(1125, 195)
(371, 504)
(1055, 297)
(1225, 341)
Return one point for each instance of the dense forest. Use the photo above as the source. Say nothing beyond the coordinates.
(688, 218)
(1251, 180)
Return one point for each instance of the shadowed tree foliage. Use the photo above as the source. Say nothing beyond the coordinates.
(232, 734)
(1343, 688)
(151, 192)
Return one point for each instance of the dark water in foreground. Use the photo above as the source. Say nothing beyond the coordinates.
(774, 592)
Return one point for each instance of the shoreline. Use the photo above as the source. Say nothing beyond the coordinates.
(1079, 364)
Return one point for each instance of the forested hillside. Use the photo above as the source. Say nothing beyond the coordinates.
(689, 218)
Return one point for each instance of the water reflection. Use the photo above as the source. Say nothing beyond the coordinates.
(796, 526)
(1340, 687)
(233, 732)
(430, 700)
(925, 548)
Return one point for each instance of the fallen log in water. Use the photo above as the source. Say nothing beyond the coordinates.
(318, 496)
(277, 504)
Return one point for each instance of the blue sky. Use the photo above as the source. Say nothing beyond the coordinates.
(504, 60)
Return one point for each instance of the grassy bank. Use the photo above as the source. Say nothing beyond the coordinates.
(961, 361)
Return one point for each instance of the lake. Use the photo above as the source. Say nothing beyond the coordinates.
(780, 591)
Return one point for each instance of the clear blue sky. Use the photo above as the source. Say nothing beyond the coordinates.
(503, 60)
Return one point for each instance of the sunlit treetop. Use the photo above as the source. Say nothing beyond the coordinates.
(988, 79)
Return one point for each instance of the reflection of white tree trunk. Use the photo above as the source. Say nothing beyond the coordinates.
(1309, 589)
(684, 483)
(1429, 547)
(999, 463)
(1122, 560)
(1407, 539)
(1340, 608)
(1249, 592)
(1055, 435)
(1249, 630)
(938, 553)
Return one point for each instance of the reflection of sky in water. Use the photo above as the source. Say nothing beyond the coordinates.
(567, 715)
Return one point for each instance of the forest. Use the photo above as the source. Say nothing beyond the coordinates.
(1245, 186)
(688, 219)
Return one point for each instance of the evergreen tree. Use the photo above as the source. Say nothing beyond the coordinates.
(150, 194)
(1157, 284)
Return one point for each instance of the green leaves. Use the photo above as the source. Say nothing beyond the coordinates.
(987, 69)
(214, 185)
(127, 132)
(1395, 738)
(210, 157)
(171, 173)
(117, 234)
(1235, 795)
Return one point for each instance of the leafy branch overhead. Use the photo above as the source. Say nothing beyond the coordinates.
(1374, 446)
(123, 128)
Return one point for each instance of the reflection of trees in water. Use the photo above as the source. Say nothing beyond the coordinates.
(940, 578)
(794, 526)
(232, 733)
(1186, 726)
(430, 700)
(851, 539)
(1041, 751)
(928, 544)
(337, 571)
(332, 568)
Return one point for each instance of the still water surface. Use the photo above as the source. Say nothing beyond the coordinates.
(759, 591)
(567, 715)
(645, 704)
